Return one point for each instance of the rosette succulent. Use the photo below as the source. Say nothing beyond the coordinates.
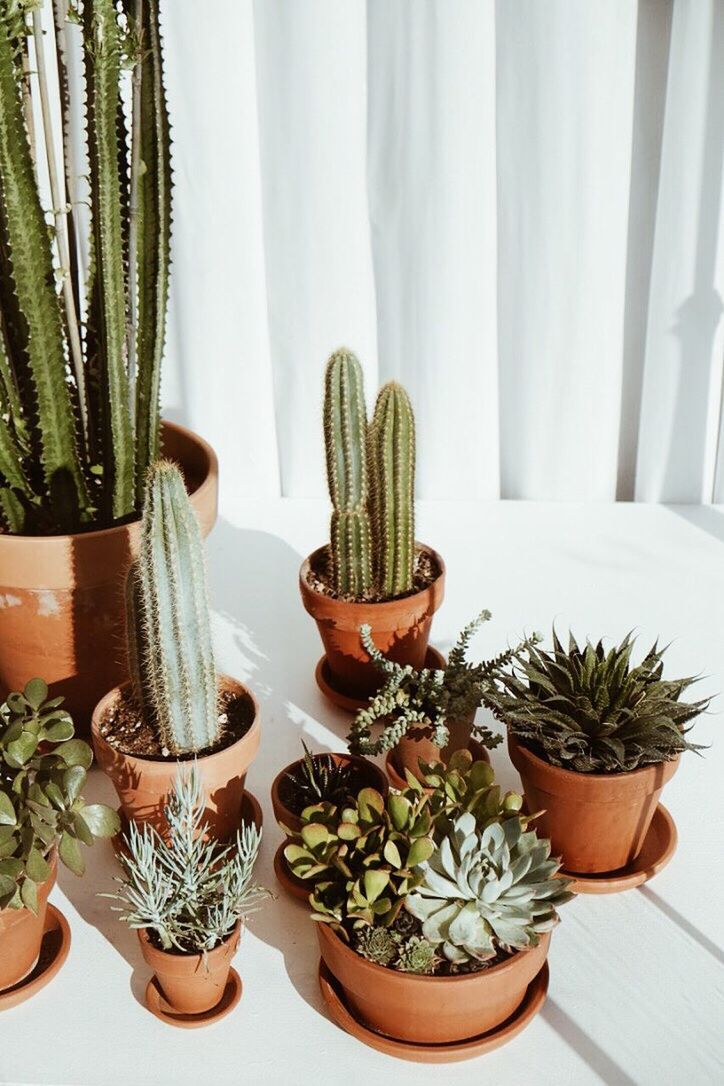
(482, 892)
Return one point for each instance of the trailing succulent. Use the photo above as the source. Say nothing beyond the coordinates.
(591, 710)
(189, 893)
(80, 354)
(318, 779)
(42, 773)
(428, 698)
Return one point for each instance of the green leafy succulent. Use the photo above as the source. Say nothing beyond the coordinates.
(377, 944)
(417, 955)
(464, 785)
(591, 711)
(319, 779)
(42, 774)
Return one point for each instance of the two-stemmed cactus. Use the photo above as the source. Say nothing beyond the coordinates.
(371, 476)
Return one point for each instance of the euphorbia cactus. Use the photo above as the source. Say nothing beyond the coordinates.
(170, 653)
(392, 471)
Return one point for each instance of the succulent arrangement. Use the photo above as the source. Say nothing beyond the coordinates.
(430, 882)
(43, 770)
(187, 892)
(371, 479)
(591, 710)
(77, 349)
(168, 630)
(318, 779)
(430, 698)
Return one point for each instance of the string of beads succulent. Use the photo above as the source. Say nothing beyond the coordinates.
(318, 778)
(429, 698)
(590, 710)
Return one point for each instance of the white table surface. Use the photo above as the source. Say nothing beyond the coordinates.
(637, 979)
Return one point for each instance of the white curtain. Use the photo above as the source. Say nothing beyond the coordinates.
(513, 208)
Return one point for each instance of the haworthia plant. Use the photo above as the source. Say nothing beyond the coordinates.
(392, 467)
(80, 355)
(170, 653)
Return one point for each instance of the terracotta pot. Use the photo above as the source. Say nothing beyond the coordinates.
(142, 784)
(417, 744)
(61, 597)
(400, 628)
(191, 983)
(366, 775)
(21, 933)
(430, 1010)
(596, 822)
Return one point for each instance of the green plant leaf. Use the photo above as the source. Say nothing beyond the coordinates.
(75, 752)
(7, 811)
(71, 853)
(29, 895)
(101, 820)
(399, 808)
(22, 749)
(36, 691)
(36, 867)
(375, 882)
(420, 850)
(73, 781)
(58, 731)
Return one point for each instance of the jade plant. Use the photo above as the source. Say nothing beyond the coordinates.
(82, 333)
(317, 779)
(428, 697)
(189, 893)
(591, 710)
(371, 479)
(168, 629)
(42, 774)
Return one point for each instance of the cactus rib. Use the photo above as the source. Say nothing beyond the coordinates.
(392, 471)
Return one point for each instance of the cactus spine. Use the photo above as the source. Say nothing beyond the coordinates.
(345, 434)
(392, 470)
(170, 653)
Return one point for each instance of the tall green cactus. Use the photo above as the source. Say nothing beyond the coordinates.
(345, 437)
(168, 630)
(74, 451)
(392, 471)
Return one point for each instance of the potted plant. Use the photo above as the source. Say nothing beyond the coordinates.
(433, 908)
(372, 571)
(80, 354)
(188, 898)
(43, 818)
(176, 705)
(427, 713)
(594, 738)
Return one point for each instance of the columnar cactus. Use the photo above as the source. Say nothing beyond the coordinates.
(168, 630)
(345, 435)
(392, 471)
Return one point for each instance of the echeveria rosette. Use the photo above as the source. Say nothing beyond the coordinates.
(490, 891)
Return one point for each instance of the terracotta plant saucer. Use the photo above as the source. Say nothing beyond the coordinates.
(250, 812)
(156, 1003)
(53, 952)
(658, 848)
(433, 659)
(434, 1053)
(397, 780)
(291, 885)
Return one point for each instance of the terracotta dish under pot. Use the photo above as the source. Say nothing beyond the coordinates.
(430, 1010)
(596, 822)
(21, 934)
(61, 596)
(400, 627)
(366, 775)
(143, 783)
(191, 983)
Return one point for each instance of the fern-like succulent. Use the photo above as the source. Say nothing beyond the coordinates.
(591, 710)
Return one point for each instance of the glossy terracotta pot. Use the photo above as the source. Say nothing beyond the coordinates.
(21, 934)
(400, 628)
(61, 597)
(417, 745)
(142, 784)
(366, 775)
(430, 1010)
(596, 822)
(192, 983)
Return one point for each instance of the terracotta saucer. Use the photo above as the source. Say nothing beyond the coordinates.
(157, 1004)
(434, 1053)
(291, 885)
(397, 779)
(54, 949)
(250, 812)
(658, 848)
(433, 659)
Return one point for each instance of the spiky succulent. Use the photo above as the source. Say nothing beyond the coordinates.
(591, 710)
(485, 891)
(319, 779)
(417, 955)
(377, 944)
(427, 697)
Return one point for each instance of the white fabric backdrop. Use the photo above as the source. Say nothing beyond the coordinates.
(514, 208)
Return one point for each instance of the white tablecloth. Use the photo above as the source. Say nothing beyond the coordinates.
(637, 979)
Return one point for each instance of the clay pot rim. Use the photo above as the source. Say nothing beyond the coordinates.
(355, 759)
(212, 470)
(252, 732)
(372, 969)
(561, 773)
(196, 956)
(382, 606)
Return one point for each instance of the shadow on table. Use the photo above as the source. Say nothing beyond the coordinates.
(584, 1046)
(706, 518)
